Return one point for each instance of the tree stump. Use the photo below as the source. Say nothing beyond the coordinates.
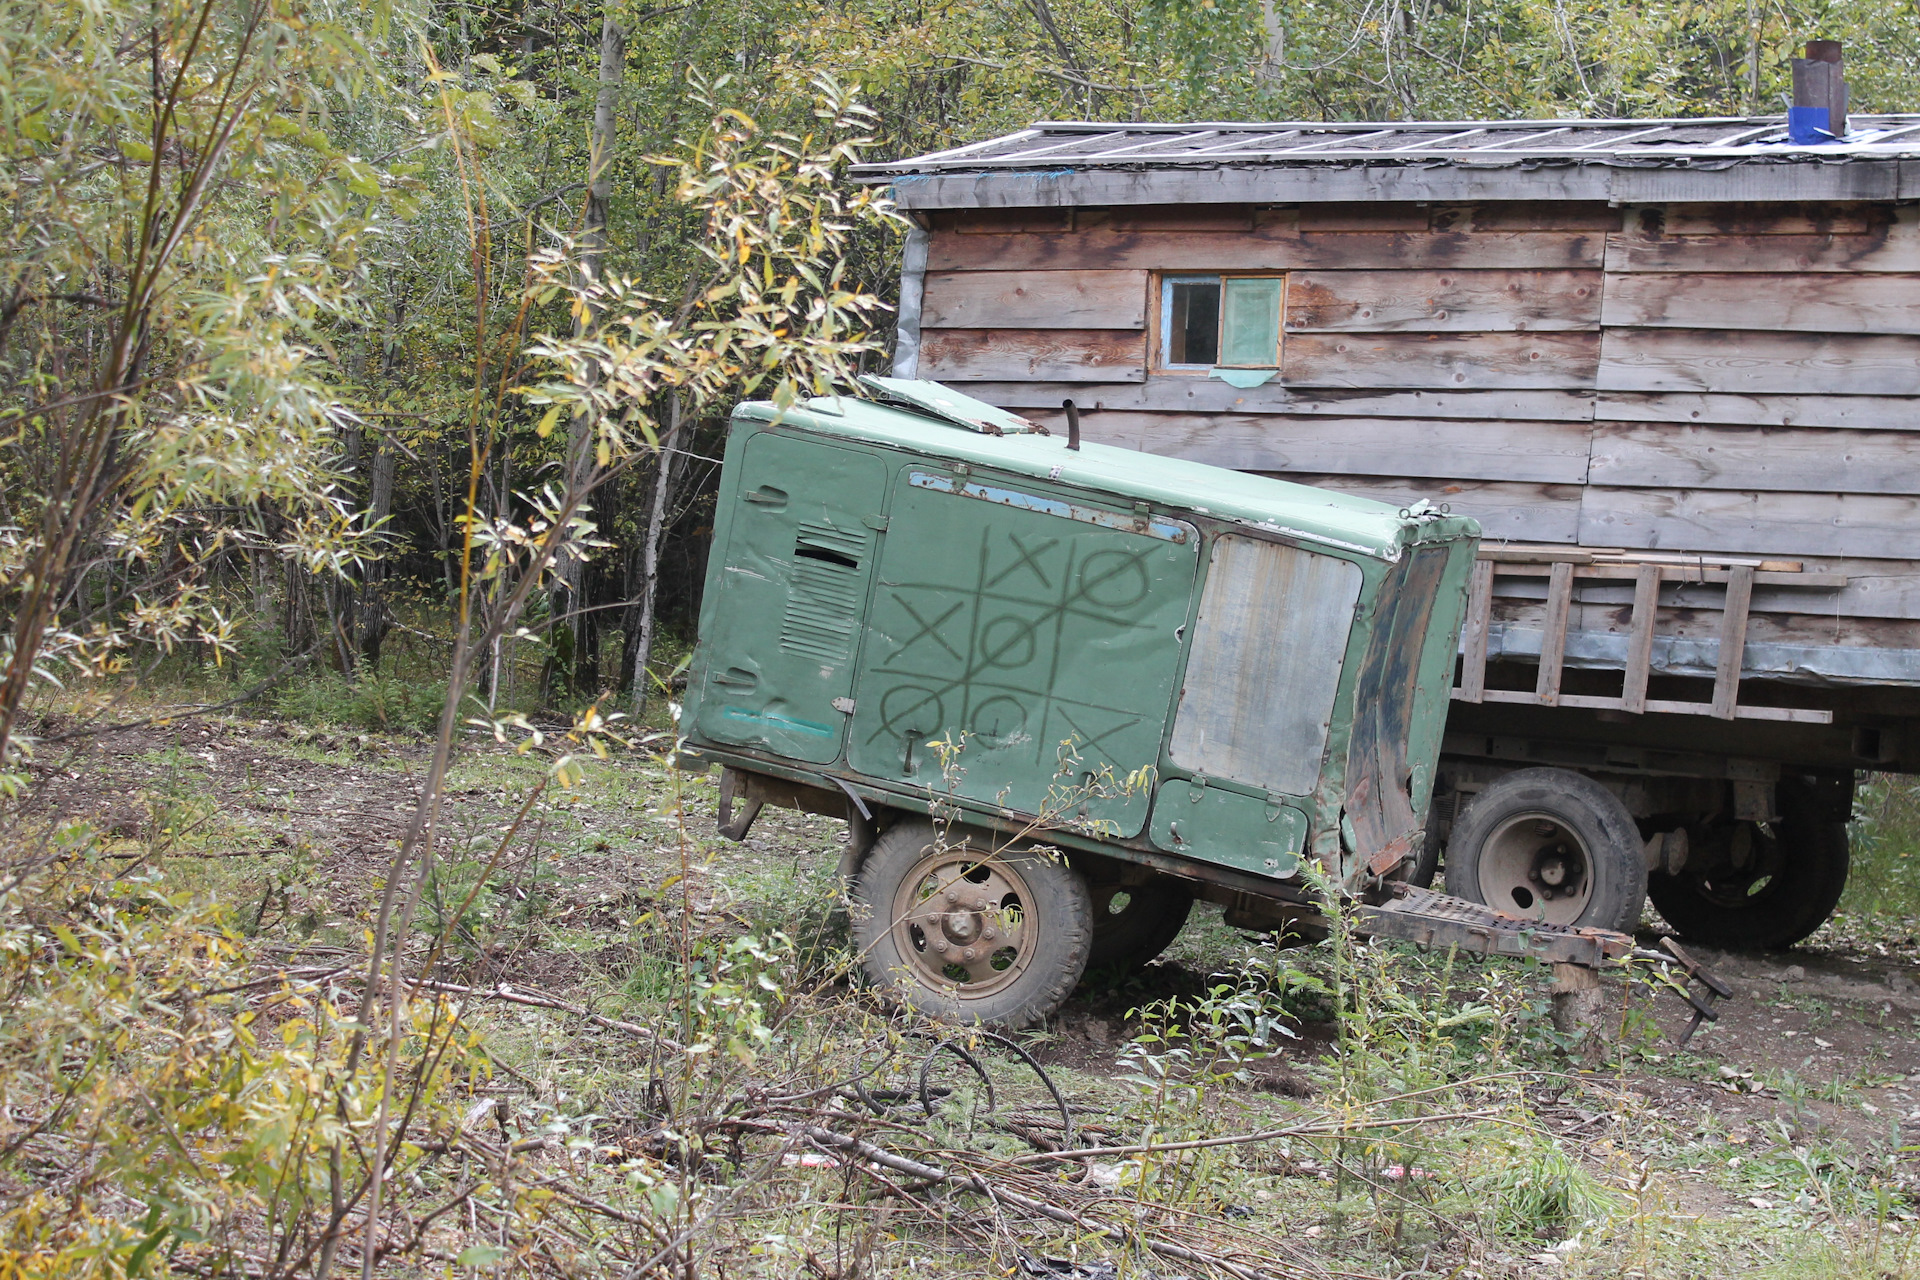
(1581, 1006)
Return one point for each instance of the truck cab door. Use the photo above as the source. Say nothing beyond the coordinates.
(784, 632)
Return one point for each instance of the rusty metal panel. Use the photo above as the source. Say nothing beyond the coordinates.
(1267, 651)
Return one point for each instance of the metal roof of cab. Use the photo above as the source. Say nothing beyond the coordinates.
(1276, 506)
(1056, 163)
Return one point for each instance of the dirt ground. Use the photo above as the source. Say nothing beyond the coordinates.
(1816, 1060)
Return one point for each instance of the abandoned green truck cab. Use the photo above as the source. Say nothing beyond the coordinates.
(1185, 681)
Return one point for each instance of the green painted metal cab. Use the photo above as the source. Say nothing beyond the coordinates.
(1213, 675)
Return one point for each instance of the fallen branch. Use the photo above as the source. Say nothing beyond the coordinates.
(181, 853)
(973, 1182)
(1242, 1139)
(546, 1002)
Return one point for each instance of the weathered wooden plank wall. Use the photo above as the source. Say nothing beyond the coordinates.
(1056, 355)
(1822, 302)
(1733, 379)
(1030, 300)
(1443, 301)
(1781, 459)
(1554, 452)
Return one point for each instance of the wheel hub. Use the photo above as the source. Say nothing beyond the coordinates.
(961, 921)
(1534, 866)
(1736, 868)
(962, 927)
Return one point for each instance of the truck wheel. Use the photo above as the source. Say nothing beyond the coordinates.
(1750, 884)
(1552, 845)
(1134, 923)
(952, 929)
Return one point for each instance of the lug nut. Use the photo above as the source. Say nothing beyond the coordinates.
(988, 935)
(939, 944)
(952, 896)
(967, 954)
(980, 905)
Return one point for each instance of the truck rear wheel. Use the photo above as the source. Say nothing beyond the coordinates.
(1134, 923)
(1551, 845)
(953, 929)
(1763, 885)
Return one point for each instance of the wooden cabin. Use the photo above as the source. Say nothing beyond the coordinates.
(1672, 366)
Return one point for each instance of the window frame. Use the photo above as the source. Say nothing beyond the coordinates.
(1162, 313)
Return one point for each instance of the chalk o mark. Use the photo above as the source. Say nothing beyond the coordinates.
(1114, 579)
(998, 720)
(1008, 641)
(909, 708)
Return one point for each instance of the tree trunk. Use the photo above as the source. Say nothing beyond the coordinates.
(570, 598)
(650, 555)
(373, 606)
(342, 594)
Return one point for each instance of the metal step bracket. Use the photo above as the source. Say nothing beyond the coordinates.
(1673, 956)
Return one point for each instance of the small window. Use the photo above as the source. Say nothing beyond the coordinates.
(1227, 321)
(1192, 322)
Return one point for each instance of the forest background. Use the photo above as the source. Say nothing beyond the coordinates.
(385, 226)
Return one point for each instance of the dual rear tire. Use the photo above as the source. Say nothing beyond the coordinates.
(1751, 884)
(1556, 846)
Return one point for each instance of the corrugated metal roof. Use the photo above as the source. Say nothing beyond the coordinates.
(1637, 143)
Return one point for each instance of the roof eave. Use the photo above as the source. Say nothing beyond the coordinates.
(1823, 178)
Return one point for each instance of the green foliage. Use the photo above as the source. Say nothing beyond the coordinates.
(953, 75)
(392, 238)
(369, 700)
(1193, 1043)
(181, 234)
(1883, 878)
(158, 1105)
(1527, 1185)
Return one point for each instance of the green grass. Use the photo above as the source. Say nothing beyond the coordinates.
(387, 703)
(754, 933)
(1883, 878)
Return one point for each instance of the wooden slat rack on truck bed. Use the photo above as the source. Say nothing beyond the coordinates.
(1563, 566)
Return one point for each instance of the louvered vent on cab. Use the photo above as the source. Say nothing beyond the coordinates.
(823, 608)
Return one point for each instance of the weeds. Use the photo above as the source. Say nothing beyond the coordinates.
(712, 1095)
(697, 1078)
(1883, 877)
(373, 701)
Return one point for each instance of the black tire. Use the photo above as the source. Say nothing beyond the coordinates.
(1795, 874)
(1532, 825)
(1130, 930)
(1008, 946)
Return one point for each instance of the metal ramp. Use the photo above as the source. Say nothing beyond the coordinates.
(1432, 920)
(1436, 920)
